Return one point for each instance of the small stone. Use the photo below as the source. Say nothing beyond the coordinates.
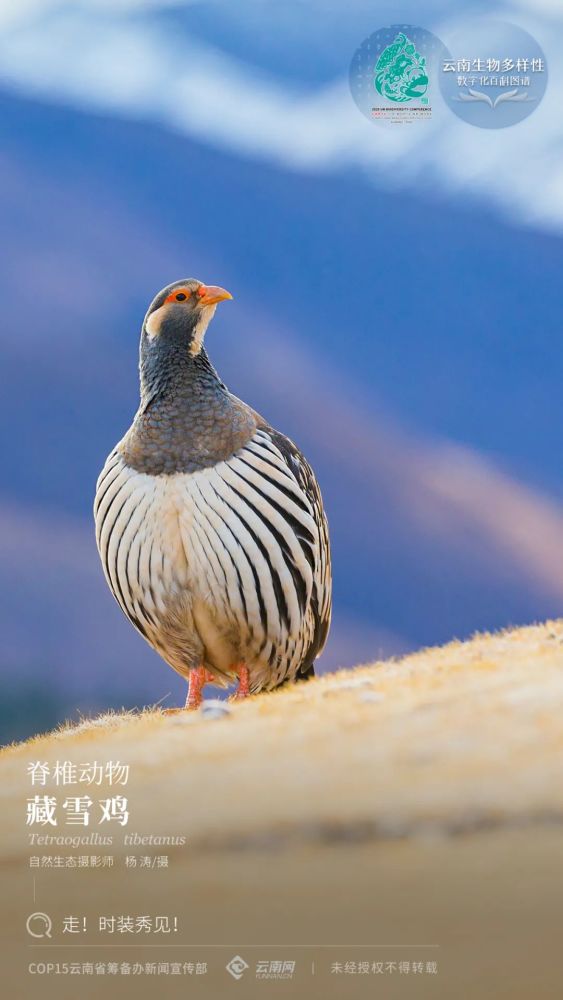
(373, 696)
(214, 708)
(182, 718)
(349, 684)
(356, 682)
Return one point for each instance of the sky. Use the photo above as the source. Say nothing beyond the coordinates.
(249, 78)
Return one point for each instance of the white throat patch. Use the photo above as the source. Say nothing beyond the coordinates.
(152, 325)
(155, 319)
(207, 314)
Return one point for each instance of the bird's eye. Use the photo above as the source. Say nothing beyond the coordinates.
(181, 296)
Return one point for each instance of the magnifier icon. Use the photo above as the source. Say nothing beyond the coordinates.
(39, 925)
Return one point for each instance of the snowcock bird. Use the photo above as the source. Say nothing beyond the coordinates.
(210, 523)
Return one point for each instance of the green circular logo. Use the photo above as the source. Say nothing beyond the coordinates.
(400, 71)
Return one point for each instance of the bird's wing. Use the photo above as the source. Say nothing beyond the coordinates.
(321, 595)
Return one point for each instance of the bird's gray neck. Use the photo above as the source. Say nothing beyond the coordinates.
(187, 419)
(173, 373)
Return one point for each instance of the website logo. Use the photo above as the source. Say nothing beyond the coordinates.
(275, 969)
(237, 967)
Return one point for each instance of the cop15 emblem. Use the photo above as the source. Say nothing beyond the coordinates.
(392, 74)
(400, 71)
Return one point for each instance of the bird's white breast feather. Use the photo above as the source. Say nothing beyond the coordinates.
(227, 543)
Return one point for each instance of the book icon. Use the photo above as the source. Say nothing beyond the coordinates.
(507, 95)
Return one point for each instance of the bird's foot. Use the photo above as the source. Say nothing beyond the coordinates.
(199, 676)
(243, 689)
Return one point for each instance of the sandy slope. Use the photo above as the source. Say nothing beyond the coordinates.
(416, 803)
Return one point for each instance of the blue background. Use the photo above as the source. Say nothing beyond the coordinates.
(397, 302)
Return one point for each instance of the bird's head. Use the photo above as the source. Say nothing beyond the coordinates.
(179, 316)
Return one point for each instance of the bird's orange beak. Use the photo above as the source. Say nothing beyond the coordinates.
(209, 295)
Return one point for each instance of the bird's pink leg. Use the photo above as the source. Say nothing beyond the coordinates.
(243, 689)
(198, 678)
